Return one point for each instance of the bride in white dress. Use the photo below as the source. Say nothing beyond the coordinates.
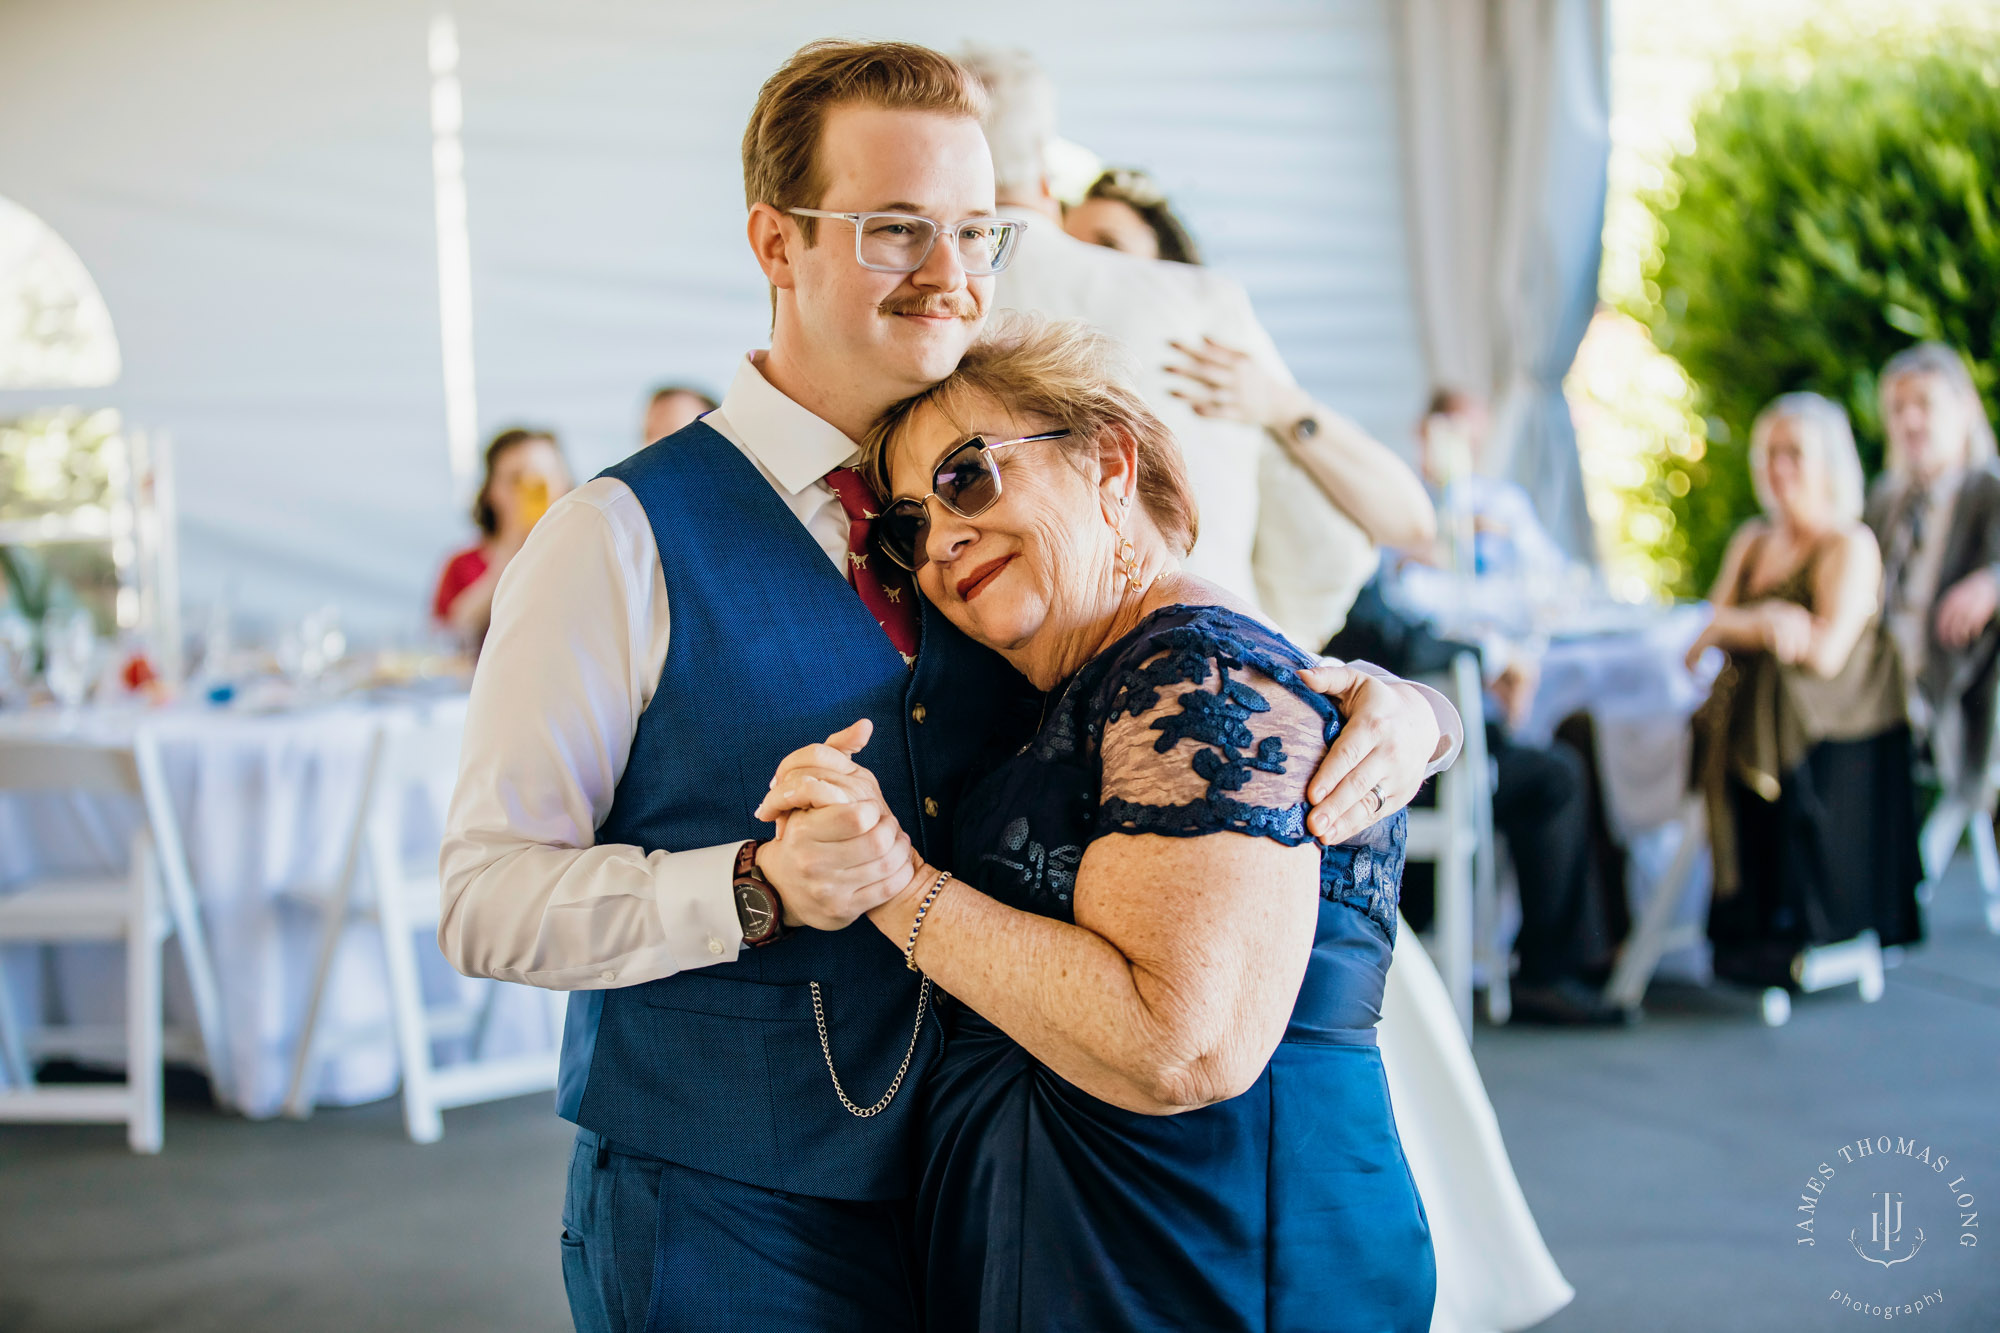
(1494, 1274)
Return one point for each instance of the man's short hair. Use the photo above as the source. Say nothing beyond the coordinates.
(702, 396)
(1449, 400)
(1020, 117)
(781, 158)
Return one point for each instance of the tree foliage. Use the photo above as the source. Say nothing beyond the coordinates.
(1826, 218)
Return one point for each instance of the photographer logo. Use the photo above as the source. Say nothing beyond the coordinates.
(1888, 1209)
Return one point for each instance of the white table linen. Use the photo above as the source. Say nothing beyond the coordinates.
(1635, 684)
(265, 804)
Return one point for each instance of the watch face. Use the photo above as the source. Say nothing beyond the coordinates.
(755, 910)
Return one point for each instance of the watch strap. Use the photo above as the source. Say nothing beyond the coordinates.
(749, 875)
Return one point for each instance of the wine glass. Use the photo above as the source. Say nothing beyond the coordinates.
(69, 647)
(17, 654)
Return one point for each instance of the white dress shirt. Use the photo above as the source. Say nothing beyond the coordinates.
(578, 641)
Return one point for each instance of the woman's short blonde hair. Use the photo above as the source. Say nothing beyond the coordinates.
(1948, 364)
(1069, 374)
(1825, 436)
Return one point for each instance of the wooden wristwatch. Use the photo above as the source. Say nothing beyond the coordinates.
(757, 905)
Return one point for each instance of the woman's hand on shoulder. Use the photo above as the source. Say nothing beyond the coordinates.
(840, 851)
(1226, 382)
(1388, 737)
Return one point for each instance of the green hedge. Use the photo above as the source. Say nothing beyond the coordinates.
(1818, 227)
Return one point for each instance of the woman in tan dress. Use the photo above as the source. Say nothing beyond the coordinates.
(1803, 748)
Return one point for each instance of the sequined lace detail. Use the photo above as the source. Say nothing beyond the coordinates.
(1206, 728)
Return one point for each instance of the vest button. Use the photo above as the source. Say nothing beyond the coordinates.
(917, 713)
(931, 806)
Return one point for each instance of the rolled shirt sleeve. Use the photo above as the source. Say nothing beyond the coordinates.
(578, 638)
(1451, 728)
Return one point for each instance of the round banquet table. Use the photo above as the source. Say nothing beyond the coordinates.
(265, 803)
(1632, 678)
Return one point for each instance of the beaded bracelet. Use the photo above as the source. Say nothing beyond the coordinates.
(923, 908)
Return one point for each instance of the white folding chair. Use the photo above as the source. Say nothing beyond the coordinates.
(1654, 935)
(152, 901)
(402, 898)
(1456, 836)
(1958, 819)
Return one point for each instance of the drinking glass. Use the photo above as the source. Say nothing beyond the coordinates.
(69, 645)
(17, 655)
(532, 495)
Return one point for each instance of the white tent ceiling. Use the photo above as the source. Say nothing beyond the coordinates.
(250, 186)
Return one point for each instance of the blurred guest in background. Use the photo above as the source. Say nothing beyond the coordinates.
(1268, 533)
(671, 407)
(1492, 516)
(525, 474)
(1544, 800)
(1802, 749)
(1935, 510)
(1125, 210)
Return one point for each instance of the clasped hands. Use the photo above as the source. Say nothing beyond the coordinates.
(840, 851)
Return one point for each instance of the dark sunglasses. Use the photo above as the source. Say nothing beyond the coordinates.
(966, 481)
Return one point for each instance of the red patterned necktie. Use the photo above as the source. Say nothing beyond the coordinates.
(884, 585)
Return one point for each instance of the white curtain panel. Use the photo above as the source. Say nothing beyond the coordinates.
(1507, 137)
(251, 187)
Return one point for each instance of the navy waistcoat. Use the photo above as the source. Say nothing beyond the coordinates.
(720, 1069)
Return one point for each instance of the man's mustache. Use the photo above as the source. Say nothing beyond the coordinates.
(959, 305)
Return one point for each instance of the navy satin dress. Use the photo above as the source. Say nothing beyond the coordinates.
(1288, 1207)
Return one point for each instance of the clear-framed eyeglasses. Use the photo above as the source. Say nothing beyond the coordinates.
(902, 242)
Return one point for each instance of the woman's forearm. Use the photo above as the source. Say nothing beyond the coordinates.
(472, 610)
(1834, 637)
(1736, 629)
(1068, 996)
(1848, 588)
(1367, 481)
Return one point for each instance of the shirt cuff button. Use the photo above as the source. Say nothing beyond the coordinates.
(714, 945)
(607, 976)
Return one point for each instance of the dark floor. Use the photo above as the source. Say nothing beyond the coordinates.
(339, 1223)
(1664, 1164)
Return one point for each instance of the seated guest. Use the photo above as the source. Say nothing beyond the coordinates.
(671, 407)
(1935, 510)
(1493, 516)
(1802, 749)
(1544, 800)
(1125, 210)
(525, 474)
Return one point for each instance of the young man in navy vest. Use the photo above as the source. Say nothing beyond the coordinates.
(737, 1061)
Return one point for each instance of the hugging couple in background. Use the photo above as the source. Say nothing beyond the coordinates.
(900, 632)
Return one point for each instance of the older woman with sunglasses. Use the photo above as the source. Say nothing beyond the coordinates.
(1160, 1103)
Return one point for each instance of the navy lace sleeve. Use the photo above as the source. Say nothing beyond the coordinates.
(1206, 728)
